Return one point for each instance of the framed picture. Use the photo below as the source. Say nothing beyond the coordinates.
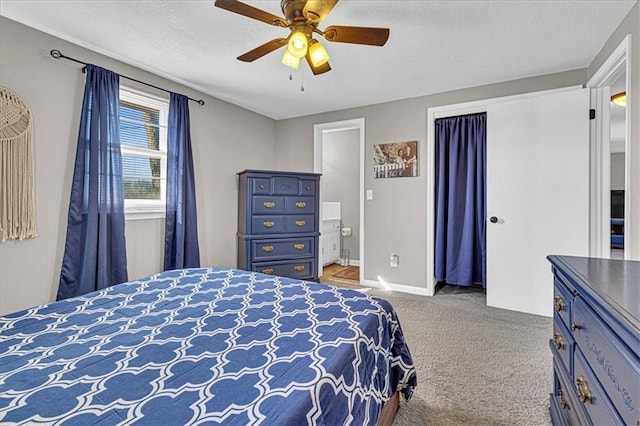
(395, 159)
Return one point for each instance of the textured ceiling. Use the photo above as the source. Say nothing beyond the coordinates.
(434, 46)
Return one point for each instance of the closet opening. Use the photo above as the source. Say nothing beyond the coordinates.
(460, 202)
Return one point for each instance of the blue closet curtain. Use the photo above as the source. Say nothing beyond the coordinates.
(95, 251)
(460, 255)
(181, 225)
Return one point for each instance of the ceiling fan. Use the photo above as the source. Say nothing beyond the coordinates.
(302, 17)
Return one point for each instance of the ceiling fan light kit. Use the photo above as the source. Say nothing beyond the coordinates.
(302, 18)
(317, 52)
(297, 45)
(290, 60)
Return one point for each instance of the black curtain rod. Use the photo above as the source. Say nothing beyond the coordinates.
(58, 55)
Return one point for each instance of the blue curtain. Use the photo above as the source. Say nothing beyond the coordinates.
(460, 255)
(95, 251)
(181, 227)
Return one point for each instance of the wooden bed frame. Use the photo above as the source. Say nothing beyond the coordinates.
(389, 410)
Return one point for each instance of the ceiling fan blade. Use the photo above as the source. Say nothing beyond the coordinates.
(251, 12)
(317, 10)
(318, 70)
(262, 50)
(357, 35)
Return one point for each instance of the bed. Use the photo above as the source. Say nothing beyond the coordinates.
(207, 345)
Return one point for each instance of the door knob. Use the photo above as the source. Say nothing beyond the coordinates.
(493, 219)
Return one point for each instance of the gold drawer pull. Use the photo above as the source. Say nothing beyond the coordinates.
(301, 204)
(269, 204)
(583, 390)
(267, 249)
(298, 246)
(558, 303)
(563, 400)
(261, 186)
(298, 268)
(267, 271)
(268, 224)
(300, 223)
(557, 340)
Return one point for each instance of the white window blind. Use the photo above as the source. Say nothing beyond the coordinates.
(143, 141)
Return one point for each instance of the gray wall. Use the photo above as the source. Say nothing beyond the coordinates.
(395, 218)
(29, 270)
(630, 25)
(226, 139)
(341, 181)
(617, 170)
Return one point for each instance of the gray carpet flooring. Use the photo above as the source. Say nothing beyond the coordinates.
(476, 365)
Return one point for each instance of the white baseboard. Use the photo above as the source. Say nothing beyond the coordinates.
(398, 287)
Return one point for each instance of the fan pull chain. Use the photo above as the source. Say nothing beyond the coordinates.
(301, 79)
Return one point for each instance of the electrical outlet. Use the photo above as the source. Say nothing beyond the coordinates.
(394, 259)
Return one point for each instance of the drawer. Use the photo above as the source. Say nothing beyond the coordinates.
(268, 204)
(612, 362)
(300, 205)
(260, 186)
(263, 250)
(562, 300)
(564, 405)
(299, 223)
(558, 412)
(267, 224)
(592, 396)
(284, 185)
(307, 187)
(302, 269)
(562, 344)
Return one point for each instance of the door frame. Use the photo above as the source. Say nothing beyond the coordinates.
(318, 132)
(434, 113)
(600, 167)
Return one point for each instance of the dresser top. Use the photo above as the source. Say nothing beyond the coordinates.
(610, 282)
(276, 172)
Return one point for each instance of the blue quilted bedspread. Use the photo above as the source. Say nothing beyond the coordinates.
(216, 346)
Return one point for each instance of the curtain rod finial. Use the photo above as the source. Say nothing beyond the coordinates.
(55, 53)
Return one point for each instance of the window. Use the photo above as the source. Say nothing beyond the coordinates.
(143, 141)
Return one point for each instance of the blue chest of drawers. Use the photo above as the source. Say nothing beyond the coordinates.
(596, 342)
(278, 223)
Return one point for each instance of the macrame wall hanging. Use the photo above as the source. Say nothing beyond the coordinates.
(17, 211)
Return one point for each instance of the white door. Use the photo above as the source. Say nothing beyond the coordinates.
(537, 194)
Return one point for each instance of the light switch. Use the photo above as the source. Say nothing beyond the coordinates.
(369, 194)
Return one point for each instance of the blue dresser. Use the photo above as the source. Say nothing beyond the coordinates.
(278, 223)
(596, 342)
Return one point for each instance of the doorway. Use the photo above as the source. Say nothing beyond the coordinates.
(617, 149)
(460, 254)
(341, 144)
(610, 172)
(533, 139)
